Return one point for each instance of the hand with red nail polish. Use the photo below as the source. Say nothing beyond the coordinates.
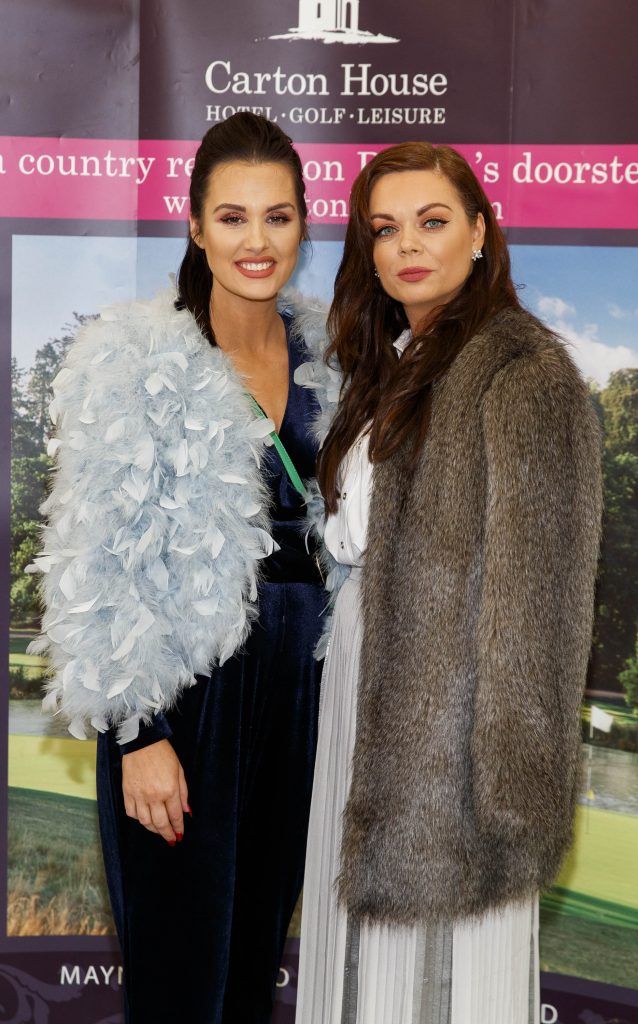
(155, 790)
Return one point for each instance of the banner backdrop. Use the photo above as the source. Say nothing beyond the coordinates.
(102, 109)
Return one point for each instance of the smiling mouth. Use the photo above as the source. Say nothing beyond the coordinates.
(256, 268)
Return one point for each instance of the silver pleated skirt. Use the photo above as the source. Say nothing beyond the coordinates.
(477, 972)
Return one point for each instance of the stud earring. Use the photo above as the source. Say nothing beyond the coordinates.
(376, 273)
(477, 254)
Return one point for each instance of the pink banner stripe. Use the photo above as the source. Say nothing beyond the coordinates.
(112, 179)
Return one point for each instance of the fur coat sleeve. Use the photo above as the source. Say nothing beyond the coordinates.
(542, 528)
(157, 516)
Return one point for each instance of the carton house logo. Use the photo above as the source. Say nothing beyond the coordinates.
(332, 21)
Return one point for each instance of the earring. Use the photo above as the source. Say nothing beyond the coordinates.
(376, 273)
(477, 254)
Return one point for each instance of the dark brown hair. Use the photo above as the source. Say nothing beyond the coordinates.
(364, 320)
(245, 137)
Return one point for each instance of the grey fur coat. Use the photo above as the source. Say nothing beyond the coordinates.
(477, 604)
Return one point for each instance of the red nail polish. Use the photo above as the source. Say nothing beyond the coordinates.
(180, 836)
(171, 842)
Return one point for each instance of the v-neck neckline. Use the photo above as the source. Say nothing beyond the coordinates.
(290, 383)
(290, 379)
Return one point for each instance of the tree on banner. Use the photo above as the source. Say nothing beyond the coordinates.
(617, 597)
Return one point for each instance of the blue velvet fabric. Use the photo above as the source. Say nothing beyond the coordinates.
(202, 924)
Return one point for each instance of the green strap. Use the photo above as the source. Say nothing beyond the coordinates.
(289, 465)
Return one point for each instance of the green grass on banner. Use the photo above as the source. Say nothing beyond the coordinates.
(573, 944)
(33, 665)
(53, 765)
(56, 882)
(589, 920)
(602, 862)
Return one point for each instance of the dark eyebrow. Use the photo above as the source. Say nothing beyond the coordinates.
(242, 209)
(419, 213)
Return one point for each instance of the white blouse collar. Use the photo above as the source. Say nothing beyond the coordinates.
(402, 341)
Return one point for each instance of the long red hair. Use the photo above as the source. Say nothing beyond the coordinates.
(364, 321)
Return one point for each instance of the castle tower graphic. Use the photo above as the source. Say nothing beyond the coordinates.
(328, 15)
(332, 21)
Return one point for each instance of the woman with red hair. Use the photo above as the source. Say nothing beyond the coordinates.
(462, 485)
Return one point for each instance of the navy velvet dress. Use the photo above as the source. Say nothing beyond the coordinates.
(202, 924)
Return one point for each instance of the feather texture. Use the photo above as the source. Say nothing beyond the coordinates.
(325, 380)
(157, 518)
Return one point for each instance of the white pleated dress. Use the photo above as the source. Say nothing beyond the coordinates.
(479, 972)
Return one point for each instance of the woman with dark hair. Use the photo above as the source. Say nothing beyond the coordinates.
(461, 478)
(175, 554)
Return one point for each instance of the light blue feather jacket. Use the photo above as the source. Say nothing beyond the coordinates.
(158, 517)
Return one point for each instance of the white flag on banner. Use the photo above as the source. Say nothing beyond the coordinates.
(600, 719)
